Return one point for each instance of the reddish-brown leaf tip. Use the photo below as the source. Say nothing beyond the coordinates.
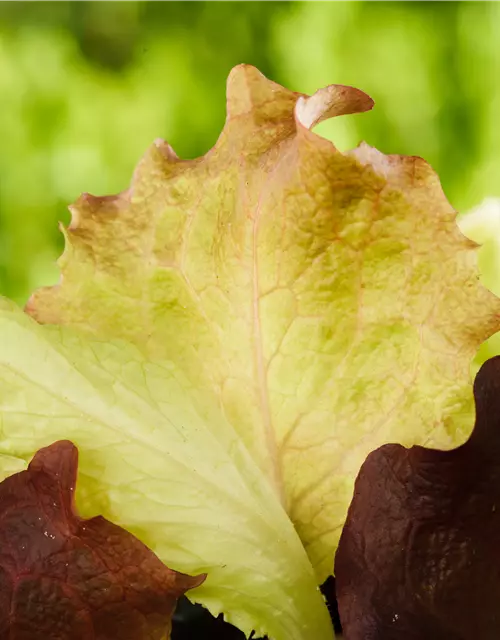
(66, 578)
(418, 557)
(329, 102)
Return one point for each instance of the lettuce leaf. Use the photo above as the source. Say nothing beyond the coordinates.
(74, 579)
(327, 302)
(284, 309)
(177, 477)
(418, 556)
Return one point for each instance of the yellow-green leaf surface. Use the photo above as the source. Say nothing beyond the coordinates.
(326, 303)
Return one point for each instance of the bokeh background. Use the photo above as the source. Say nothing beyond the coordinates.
(85, 87)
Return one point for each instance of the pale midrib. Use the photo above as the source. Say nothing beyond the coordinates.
(262, 377)
(260, 366)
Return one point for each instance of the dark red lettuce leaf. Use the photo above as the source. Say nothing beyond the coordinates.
(419, 556)
(65, 578)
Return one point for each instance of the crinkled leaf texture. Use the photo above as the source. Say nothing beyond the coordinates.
(291, 308)
(418, 557)
(327, 302)
(65, 578)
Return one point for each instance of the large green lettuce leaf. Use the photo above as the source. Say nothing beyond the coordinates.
(289, 308)
(328, 302)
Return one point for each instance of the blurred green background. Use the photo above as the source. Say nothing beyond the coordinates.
(86, 86)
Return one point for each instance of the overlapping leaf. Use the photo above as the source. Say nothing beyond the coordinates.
(418, 557)
(65, 578)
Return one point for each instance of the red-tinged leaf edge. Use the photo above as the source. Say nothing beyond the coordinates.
(419, 556)
(66, 578)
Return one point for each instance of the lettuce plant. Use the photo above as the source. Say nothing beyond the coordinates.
(233, 335)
